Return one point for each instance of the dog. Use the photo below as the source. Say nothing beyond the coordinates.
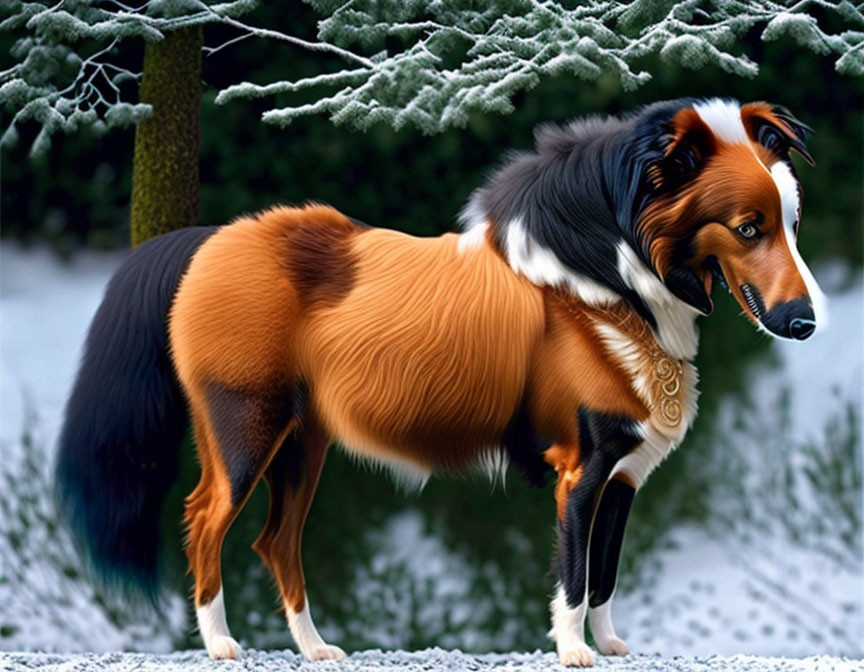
(556, 332)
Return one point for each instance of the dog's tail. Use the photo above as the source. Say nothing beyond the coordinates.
(125, 421)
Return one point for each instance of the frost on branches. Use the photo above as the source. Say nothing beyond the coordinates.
(450, 58)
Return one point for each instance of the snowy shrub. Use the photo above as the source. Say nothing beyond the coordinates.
(790, 508)
(807, 488)
(47, 602)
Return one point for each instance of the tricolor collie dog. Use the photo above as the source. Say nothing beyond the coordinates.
(556, 332)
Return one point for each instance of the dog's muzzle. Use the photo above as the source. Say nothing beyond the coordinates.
(791, 319)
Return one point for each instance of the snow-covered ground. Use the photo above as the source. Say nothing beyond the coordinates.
(415, 661)
(755, 587)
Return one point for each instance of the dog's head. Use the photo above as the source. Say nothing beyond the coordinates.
(724, 202)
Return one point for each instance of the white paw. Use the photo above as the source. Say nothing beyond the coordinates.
(222, 647)
(576, 655)
(612, 647)
(324, 652)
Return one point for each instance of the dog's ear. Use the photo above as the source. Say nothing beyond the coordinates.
(688, 286)
(688, 145)
(776, 128)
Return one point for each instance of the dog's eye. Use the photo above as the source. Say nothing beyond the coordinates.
(750, 228)
(747, 230)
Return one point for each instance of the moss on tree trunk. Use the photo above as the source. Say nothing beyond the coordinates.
(165, 168)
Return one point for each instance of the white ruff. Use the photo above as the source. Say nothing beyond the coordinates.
(306, 635)
(540, 265)
(659, 438)
(474, 223)
(676, 320)
(472, 214)
(723, 117)
(214, 629)
(790, 204)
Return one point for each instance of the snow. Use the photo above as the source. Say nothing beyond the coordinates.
(403, 543)
(45, 309)
(430, 659)
(712, 590)
(715, 596)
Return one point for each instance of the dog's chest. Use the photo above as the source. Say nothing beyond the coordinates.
(666, 385)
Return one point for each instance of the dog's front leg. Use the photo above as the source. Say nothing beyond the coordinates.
(607, 537)
(579, 485)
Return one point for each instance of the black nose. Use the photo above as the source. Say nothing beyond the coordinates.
(801, 328)
(792, 319)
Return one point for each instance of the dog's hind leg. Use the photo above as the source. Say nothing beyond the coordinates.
(237, 433)
(292, 478)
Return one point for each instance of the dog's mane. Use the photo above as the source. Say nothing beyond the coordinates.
(580, 192)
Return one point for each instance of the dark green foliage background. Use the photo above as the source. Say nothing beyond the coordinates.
(78, 195)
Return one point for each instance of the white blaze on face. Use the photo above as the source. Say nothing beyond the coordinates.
(723, 117)
(790, 204)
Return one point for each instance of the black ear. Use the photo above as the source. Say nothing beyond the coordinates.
(690, 144)
(777, 129)
(688, 287)
(799, 132)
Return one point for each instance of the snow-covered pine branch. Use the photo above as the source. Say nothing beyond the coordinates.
(452, 58)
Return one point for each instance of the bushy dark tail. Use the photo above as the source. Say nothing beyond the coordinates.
(126, 419)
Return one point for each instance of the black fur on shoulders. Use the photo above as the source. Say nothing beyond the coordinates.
(580, 192)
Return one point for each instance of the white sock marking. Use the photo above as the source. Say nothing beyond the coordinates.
(306, 635)
(214, 629)
(600, 620)
(568, 630)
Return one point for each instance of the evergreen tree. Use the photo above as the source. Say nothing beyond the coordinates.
(449, 59)
(406, 61)
(427, 64)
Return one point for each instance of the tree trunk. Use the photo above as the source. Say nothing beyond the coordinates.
(165, 167)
